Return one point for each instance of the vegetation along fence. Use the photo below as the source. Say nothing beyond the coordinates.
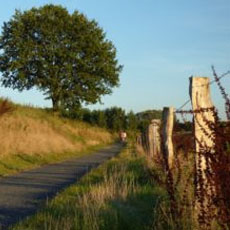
(204, 153)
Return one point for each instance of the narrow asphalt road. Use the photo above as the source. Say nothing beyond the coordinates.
(21, 194)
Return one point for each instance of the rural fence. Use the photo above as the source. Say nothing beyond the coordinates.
(208, 147)
(158, 136)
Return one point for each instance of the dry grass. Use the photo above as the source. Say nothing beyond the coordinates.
(115, 186)
(116, 196)
(28, 130)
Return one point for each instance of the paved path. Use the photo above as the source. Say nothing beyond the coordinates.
(21, 194)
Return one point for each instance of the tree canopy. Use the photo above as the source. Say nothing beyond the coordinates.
(66, 56)
(115, 118)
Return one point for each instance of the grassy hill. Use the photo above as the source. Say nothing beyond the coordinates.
(30, 137)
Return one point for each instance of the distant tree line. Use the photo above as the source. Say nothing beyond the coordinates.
(145, 118)
(115, 118)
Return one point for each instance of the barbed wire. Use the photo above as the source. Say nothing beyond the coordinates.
(179, 110)
(182, 106)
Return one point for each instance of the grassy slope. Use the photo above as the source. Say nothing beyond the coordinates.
(117, 195)
(30, 137)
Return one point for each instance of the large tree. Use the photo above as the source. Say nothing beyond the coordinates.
(66, 56)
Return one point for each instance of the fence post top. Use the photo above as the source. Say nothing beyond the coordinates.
(201, 81)
(197, 77)
(168, 108)
(155, 121)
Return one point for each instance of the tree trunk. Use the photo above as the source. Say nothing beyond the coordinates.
(55, 103)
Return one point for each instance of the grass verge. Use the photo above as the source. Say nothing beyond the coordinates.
(20, 162)
(118, 195)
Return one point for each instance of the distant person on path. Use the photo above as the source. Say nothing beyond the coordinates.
(123, 136)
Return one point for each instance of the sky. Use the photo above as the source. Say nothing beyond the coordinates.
(159, 43)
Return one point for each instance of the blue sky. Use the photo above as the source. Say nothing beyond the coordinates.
(160, 43)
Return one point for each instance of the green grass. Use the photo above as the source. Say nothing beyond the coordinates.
(12, 164)
(118, 195)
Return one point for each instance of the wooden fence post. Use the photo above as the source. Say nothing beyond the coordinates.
(167, 129)
(153, 138)
(203, 116)
(201, 99)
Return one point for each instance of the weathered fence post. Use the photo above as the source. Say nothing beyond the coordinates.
(203, 119)
(201, 100)
(153, 138)
(167, 129)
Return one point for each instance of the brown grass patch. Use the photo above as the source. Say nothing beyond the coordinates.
(34, 131)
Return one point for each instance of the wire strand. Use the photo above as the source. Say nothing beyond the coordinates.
(181, 107)
(210, 83)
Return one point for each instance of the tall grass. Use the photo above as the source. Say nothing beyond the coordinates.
(119, 195)
(197, 198)
(31, 134)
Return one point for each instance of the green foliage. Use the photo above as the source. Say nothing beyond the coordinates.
(98, 117)
(64, 55)
(145, 117)
(142, 125)
(118, 195)
(132, 121)
(115, 118)
(149, 115)
(185, 126)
